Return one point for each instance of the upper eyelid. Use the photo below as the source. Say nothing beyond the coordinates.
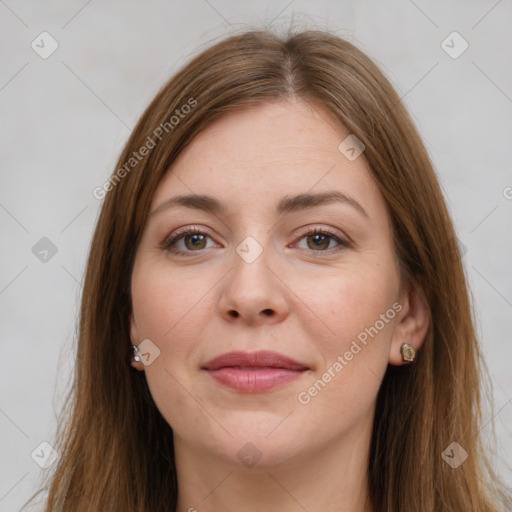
(173, 238)
(204, 231)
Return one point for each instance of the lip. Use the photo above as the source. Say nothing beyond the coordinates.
(255, 371)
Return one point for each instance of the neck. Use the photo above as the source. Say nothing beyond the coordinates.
(327, 478)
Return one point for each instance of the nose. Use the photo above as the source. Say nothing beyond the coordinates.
(253, 292)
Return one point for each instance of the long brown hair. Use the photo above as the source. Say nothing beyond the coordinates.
(116, 450)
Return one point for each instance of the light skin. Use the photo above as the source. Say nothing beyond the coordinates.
(306, 295)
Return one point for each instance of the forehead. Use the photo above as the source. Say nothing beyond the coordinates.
(255, 156)
(269, 134)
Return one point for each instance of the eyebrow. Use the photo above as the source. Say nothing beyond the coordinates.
(287, 204)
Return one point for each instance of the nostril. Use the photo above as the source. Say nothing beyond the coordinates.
(233, 313)
(268, 312)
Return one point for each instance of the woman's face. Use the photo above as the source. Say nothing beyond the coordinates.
(261, 274)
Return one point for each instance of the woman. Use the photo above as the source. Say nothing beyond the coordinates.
(275, 316)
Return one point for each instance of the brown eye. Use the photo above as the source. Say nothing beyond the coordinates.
(319, 241)
(186, 242)
(194, 241)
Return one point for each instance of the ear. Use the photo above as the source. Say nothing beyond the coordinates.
(134, 338)
(412, 323)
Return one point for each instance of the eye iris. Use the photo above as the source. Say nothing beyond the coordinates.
(316, 241)
(322, 239)
(197, 241)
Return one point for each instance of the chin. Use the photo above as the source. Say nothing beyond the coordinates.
(258, 453)
(259, 440)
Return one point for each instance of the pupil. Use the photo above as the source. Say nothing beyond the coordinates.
(196, 239)
(319, 240)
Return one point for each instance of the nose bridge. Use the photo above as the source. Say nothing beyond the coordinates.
(252, 290)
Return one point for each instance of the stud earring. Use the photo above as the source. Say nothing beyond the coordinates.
(408, 352)
(136, 358)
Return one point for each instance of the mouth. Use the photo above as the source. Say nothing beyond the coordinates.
(254, 372)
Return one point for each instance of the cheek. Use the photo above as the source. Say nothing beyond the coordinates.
(166, 303)
(341, 394)
(346, 304)
(352, 331)
(171, 309)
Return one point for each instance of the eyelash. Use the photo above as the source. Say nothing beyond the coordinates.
(168, 243)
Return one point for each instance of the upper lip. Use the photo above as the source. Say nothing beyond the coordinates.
(263, 359)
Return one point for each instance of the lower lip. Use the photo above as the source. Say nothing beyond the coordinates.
(254, 380)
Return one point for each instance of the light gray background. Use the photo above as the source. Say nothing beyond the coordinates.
(65, 118)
